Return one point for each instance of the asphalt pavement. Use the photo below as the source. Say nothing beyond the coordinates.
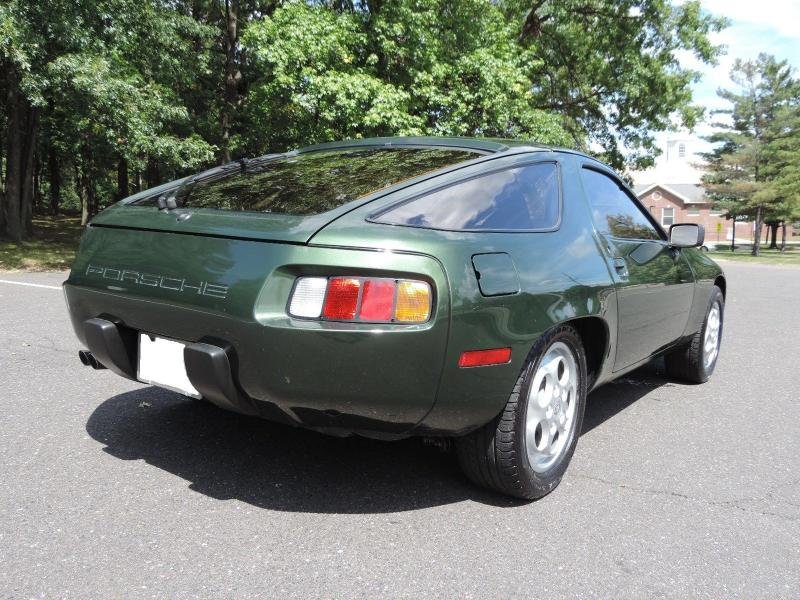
(109, 488)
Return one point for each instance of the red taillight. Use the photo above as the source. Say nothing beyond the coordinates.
(377, 300)
(362, 299)
(341, 301)
(484, 358)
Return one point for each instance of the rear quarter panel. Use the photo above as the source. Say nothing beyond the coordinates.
(562, 275)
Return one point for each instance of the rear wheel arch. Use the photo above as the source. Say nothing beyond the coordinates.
(721, 284)
(504, 453)
(594, 335)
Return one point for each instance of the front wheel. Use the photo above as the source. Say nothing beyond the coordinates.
(525, 450)
(695, 361)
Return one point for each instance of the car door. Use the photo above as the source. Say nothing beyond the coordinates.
(654, 282)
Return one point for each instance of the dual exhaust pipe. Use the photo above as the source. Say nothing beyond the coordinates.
(88, 359)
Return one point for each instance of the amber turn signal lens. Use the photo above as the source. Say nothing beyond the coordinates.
(413, 302)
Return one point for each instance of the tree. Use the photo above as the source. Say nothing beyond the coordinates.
(400, 68)
(611, 68)
(729, 180)
(105, 97)
(742, 171)
(782, 155)
(101, 76)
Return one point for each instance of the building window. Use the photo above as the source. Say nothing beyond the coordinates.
(681, 150)
(667, 216)
(656, 195)
(714, 212)
(693, 212)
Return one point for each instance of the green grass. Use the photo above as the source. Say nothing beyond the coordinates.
(51, 248)
(766, 256)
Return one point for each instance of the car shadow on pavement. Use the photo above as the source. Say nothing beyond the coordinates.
(229, 456)
(612, 398)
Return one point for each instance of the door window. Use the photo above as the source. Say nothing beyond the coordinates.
(615, 213)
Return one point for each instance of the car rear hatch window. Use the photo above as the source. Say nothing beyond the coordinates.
(307, 183)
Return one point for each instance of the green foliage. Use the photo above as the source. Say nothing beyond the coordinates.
(119, 115)
(782, 156)
(612, 70)
(112, 96)
(752, 171)
(417, 67)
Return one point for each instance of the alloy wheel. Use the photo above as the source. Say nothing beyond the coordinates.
(552, 398)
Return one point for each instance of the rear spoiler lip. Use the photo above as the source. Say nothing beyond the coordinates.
(222, 236)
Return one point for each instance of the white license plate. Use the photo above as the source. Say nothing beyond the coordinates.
(161, 363)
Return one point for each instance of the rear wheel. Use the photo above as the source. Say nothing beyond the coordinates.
(525, 450)
(695, 361)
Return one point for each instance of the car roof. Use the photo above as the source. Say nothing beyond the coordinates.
(481, 145)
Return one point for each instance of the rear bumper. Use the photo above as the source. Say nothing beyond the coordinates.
(210, 367)
(338, 378)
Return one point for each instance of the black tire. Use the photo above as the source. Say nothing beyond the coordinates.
(687, 362)
(495, 456)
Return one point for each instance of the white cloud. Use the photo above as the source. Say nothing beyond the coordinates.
(782, 16)
(770, 26)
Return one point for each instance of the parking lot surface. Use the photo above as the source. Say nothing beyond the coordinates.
(109, 488)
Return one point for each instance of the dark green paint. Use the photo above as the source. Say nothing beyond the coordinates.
(496, 274)
(389, 379)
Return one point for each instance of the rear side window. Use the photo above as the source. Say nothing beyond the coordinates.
(614, 212)
(310, 183)
(521, 199)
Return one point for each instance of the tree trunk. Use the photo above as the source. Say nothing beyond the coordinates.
(26, 200)
(774, 235)
(20, 147)
(757, 234)
(80, 178)
(37, 182)
(123, 184)
(54, 173)
(733, 234)
(91, 196)
(13, 189)
(152, 176)
(783, 237)
(232, 77)
(2, 190)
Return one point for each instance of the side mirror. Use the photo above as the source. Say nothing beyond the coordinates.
(686, 235)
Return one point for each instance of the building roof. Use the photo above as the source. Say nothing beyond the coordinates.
(688, 193)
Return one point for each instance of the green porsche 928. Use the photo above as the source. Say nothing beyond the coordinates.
(463, 288)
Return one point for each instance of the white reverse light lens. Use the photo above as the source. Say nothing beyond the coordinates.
(308, 297)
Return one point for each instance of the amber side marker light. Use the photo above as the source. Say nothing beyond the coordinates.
(484, 358)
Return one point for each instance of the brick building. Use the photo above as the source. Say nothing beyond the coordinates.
(687, 203)
(671, 191)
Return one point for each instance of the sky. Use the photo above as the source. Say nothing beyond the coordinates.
(771, 26)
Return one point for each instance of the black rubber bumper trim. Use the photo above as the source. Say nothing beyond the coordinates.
(210, 369)
(114, 346)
